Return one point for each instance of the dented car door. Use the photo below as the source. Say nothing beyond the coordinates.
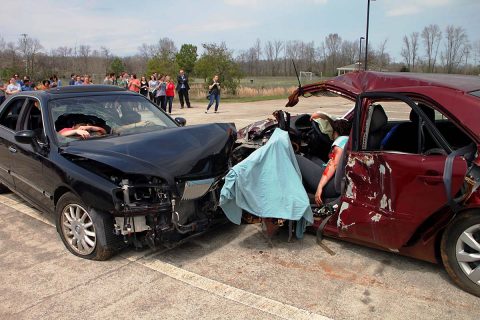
(389, 194)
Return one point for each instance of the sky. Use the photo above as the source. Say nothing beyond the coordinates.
(122, 26)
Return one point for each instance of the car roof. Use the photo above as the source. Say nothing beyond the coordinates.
(375, 81)
(68, 91)
(455, 95)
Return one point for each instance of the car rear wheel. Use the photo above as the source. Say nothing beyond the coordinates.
(85, 232)
(460, 248)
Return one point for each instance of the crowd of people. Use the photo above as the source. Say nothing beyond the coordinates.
(160, 88)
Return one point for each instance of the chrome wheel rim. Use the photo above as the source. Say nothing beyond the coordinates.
(78, 229)
(468, 253)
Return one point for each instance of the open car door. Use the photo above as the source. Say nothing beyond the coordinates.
(388, 194)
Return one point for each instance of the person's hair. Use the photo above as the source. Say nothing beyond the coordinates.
(342, 127)
(46, 82)
(134, 76)
(73, 74)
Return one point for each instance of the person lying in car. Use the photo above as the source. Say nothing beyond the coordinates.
(82, 130)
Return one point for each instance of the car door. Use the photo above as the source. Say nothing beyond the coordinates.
(8, 126)
(28, 159)
(390, 193)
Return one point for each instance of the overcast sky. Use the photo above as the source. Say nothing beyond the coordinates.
(122, 26)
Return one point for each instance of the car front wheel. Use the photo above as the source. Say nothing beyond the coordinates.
(86, 233)
(460, 248)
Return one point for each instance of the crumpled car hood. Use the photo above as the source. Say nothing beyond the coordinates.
(178, 153)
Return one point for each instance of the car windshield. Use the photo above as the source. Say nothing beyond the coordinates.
(82, 118)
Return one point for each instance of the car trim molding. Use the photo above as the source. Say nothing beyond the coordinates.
(33, 186)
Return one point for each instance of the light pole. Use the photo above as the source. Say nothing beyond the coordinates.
(360, 53)
(366, 34)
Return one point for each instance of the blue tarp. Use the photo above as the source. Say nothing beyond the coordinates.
(268, 184)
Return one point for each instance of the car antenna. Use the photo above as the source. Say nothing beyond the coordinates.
(298, 78)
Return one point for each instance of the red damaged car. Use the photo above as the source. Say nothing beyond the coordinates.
(409, 175)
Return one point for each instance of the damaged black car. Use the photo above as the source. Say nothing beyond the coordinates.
(112, 168)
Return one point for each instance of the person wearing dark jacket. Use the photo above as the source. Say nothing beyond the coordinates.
(182, 89)
(214, 94)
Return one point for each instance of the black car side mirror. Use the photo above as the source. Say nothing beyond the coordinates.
(25, 136)
(181, 121)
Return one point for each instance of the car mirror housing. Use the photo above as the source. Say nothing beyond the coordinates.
(181, 121)
(25, 136)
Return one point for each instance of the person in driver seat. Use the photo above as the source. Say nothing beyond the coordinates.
(317, 177)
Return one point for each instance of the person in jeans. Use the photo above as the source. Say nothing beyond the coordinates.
(170, 92)
(214, 93)
(152, 88)
(161, 96)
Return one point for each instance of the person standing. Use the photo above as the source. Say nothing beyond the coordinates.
(170, 92)
(72, 80)
(144, 87)
(152, 87)
(161, 96)
(182, 89)
(134, 84)
(78, 81)
(214, 93)
(13, 87)
(2, 91)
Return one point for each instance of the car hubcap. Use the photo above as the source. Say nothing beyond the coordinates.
(468, 253)
(78, 229)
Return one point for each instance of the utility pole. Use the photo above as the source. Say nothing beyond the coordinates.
(366, 35)
(24, 35)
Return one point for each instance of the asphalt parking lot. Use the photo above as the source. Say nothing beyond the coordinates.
(231, 273)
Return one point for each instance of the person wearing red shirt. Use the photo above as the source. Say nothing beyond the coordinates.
(134, 84)
(170, 92)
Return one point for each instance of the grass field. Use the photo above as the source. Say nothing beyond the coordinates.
(255, 88)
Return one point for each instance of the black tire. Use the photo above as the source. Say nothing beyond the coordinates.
(454, 250)
(95, 231)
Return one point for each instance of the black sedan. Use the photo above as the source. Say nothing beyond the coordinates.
(112, 167)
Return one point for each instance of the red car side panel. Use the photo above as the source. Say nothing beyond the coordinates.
(389, 195)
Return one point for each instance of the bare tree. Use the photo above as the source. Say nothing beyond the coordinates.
(456, 43)
(383, 56)
(167, 48)
(84, 52)
(147, 51)
(333, 43)
(29, 48)
(269, 50)
(406, 52)
(431, 36)
(414, 45)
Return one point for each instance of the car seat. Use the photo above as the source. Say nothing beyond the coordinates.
(404, 137)
(378, 122)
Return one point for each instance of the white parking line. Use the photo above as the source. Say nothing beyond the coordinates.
(146, 259)
(252, 300)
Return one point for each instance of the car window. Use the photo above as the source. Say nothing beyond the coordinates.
(114, 114)
(395, 127)
(11, 112)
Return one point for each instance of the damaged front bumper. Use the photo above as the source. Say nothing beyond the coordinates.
(154, 214)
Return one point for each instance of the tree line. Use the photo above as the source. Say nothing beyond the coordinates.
(429, 50)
